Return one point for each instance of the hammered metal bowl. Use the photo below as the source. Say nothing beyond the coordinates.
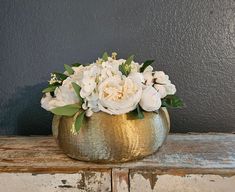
(108, 138)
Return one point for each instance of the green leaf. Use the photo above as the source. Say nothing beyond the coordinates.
(67, 110)
(57, 84)
(68, 69)
(105, 56)
(136, 114)
(140, 113)
(125, 68)
(76, 64)
(77, 89)
(49, 89)
(60, 76)
(79, 120)
(145, 65)
(129, 60)
(172, 101)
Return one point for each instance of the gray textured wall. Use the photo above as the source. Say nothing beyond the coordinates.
(193, 41)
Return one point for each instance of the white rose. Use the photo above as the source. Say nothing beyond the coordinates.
(78, 70)
(161, 90)
(89, 112)
(163, 84)
(170, 89)
(165, 90)
(148, 77)
(66, 92)
(45, 102)
(64, 95)
(119, 96)
(151, 99)
(161, 78)
(136, 77)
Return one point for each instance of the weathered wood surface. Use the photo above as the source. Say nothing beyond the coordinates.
(88, 181)
(151, 182)
(209, 153)
(140, 181)
(120, 180)
(186, 163)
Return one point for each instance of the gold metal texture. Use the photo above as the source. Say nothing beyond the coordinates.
(105, 138)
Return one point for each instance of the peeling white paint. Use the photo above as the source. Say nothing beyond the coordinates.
(187, 183)
(27, 182)
(120, 180)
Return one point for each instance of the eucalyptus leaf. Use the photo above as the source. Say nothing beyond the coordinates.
(77, 89)
(49, 89)
(124, 69)
(105, 56)
(76, 64)
(57, 84)
(79, 120)
(145, 65)
(68, 69)
(136, 114)
(129, 60)
(172, 101)
(60, 76)
(67, 110)
(140, 114)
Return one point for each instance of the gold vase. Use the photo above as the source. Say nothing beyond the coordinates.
(112, 138)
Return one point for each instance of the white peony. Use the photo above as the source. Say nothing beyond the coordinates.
(64, 95)
(151, 99)
(119, 95)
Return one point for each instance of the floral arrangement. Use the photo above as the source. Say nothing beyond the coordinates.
(111, 85)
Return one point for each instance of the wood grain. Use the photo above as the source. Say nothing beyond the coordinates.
(88, 181)
(209, 153)
(185, 163)
(120, 180)
(151, 182)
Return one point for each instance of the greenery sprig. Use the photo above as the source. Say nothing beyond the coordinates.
(172, 101)
(125, 68)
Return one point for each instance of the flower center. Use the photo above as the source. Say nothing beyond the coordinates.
(119, 91)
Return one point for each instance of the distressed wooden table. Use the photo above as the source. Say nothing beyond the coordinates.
(191, 162)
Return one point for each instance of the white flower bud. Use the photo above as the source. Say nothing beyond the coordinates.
(89, 112)
(151, 99)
